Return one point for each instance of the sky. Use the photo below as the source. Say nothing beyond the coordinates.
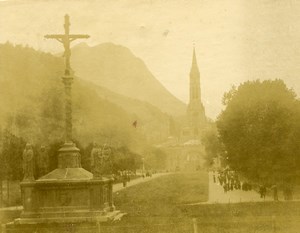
(235, 40)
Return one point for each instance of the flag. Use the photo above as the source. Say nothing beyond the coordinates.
(134, 124)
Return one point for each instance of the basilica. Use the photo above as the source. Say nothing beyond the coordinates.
(185, 151)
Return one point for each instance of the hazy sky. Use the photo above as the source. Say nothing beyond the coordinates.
(235, 40)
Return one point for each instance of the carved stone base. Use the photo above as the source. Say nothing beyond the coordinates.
(68, 199)
(61, 225)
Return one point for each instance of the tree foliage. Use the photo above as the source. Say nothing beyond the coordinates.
(212, 144)
(260, 130)
(155, 158)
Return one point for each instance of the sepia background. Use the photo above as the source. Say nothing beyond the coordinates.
(235, 40)
(188, 111)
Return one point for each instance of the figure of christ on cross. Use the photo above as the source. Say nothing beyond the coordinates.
(66, 40)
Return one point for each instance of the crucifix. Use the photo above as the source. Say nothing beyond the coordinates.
(66, 40)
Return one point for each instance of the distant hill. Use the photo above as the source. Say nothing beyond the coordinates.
(32, 104)
(116, 68)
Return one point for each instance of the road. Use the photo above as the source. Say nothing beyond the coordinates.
(217, 195)
(118, 187)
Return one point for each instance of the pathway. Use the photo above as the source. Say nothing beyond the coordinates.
(118, 187)
(217, 195)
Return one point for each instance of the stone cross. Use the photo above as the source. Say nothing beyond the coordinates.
(66, 40)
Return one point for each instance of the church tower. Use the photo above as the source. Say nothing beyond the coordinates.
(195, 110)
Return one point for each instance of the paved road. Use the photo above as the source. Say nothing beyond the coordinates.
(118, 187)
(217, 195)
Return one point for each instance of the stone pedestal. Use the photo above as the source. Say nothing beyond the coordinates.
(67, 196)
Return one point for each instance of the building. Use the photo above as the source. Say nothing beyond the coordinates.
(187, 152)
(196, 119)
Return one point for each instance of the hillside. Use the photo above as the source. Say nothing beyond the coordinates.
(32, 97)
(151, 121)
(116, 68)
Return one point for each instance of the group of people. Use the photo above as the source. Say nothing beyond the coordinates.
(123, 176)
(263, 191)
(147, 174)
(230, 181)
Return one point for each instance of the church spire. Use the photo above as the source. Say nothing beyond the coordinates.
(194, 67)
(195, 92)
(194, 58)
(195, 111)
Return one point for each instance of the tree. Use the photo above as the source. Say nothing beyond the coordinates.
(212, 144)
(260, 130)
(125, 159)
(155, 159)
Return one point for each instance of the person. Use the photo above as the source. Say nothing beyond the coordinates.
(261, 192)
(128, 176)
(275, 192)
(287, 193)
(28, 163)
(249, 187)
(239, 186)
(124, 179)
(264, 190)
(244, 186)
(225, 188)
(231, 186)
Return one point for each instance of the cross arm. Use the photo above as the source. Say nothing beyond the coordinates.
(54, 36)
(74, 37)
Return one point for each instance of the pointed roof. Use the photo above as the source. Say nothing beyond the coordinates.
(194, 62)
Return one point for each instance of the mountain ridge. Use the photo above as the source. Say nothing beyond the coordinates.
(116, 68)
(32, 102)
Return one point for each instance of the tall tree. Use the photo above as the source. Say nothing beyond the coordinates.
(260, 129)
(212, 144)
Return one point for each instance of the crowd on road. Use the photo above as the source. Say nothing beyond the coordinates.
(125, 176)
(230, 181)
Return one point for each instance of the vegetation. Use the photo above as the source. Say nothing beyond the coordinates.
(212, 144)
(260, 131)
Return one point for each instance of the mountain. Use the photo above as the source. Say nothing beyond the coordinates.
(116, 68)
(151, 121)
(32, 104)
